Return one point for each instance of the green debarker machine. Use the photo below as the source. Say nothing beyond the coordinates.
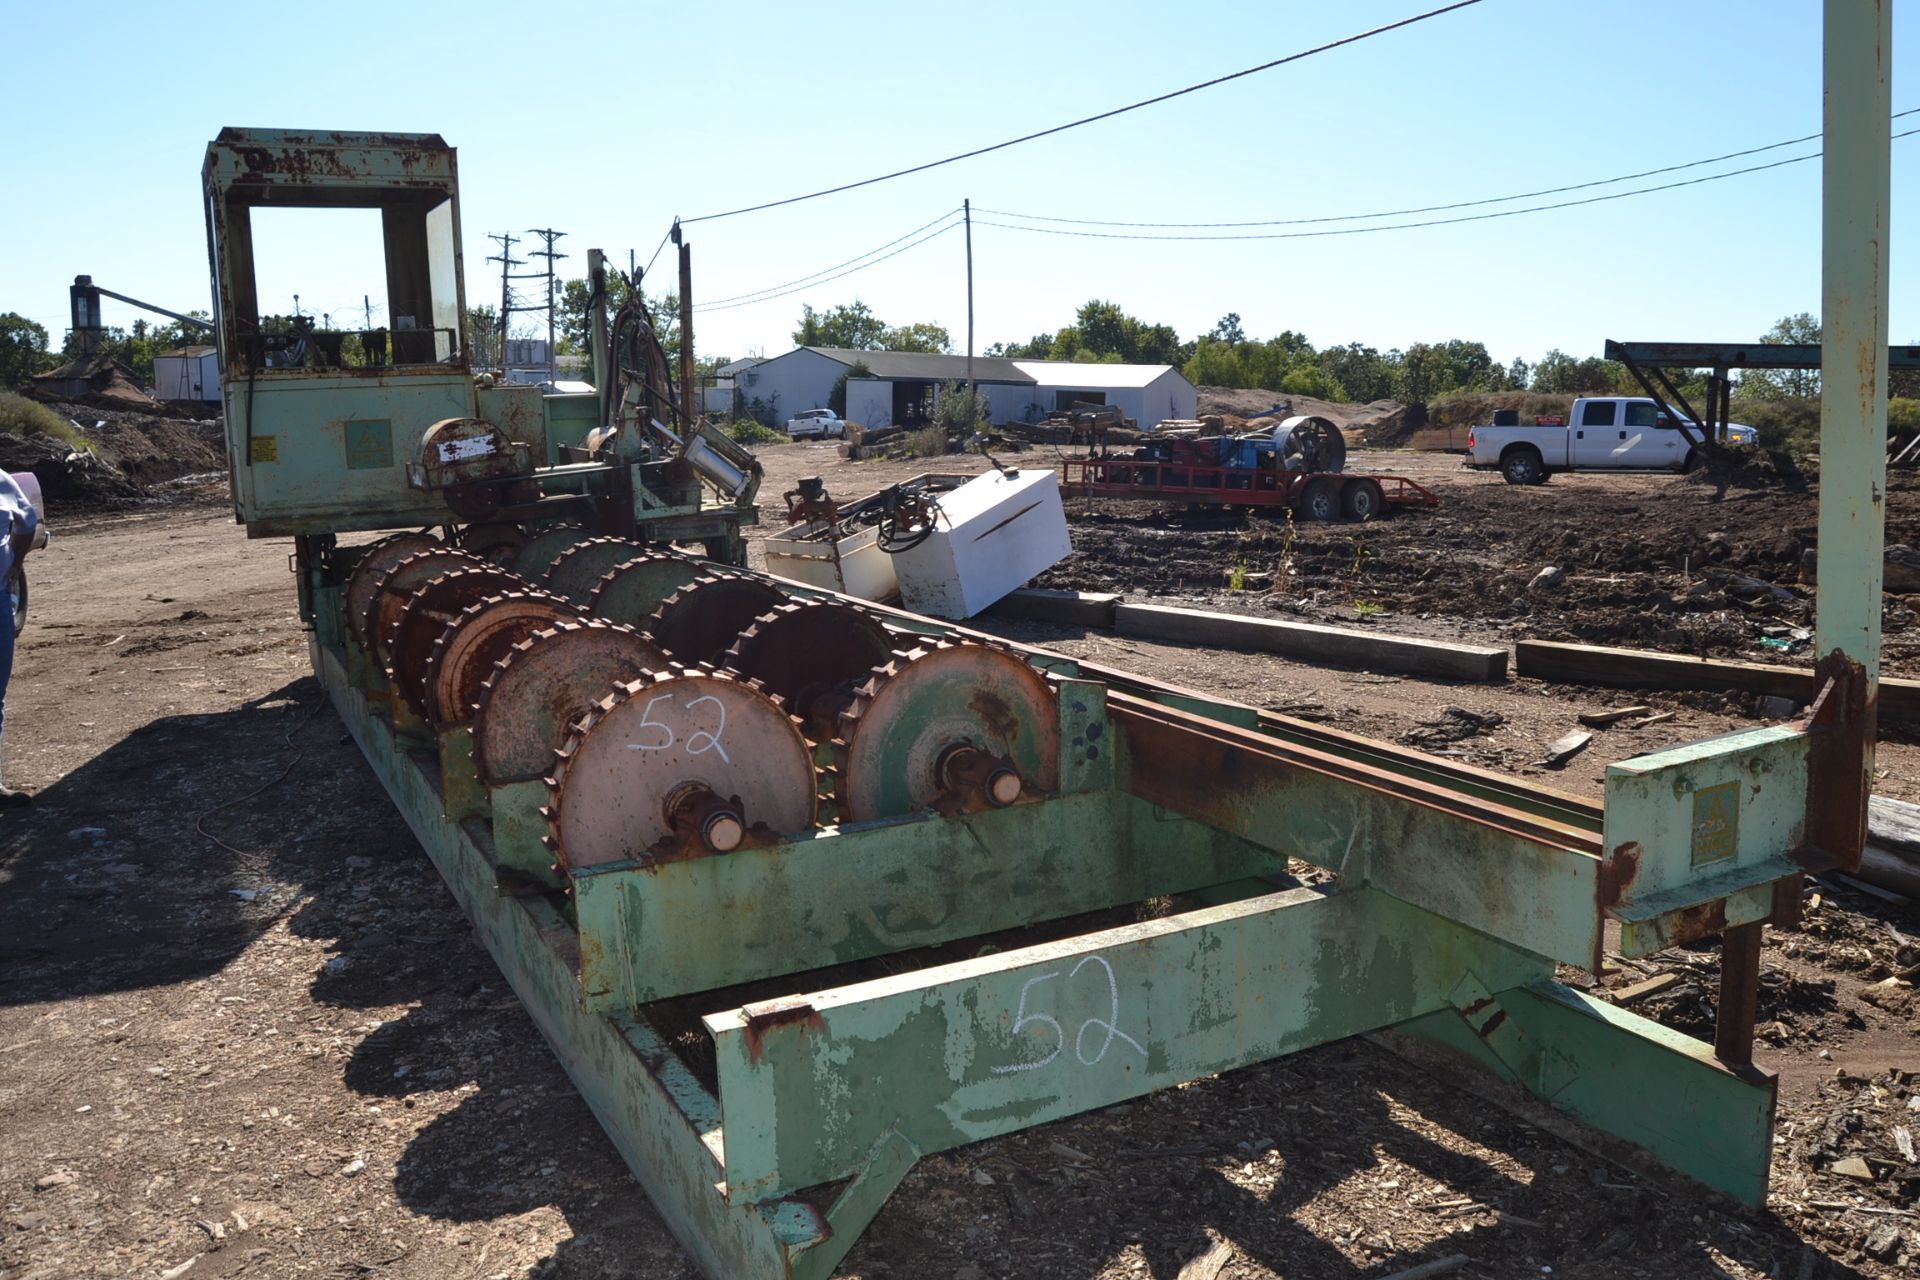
(801, 889)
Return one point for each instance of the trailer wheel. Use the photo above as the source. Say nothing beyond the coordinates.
(1363, 499)
(1321, 499)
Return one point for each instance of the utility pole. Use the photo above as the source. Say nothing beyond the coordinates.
(507, 263)
(689, 395)
(966, 208)
(366, 308)
(548, 235)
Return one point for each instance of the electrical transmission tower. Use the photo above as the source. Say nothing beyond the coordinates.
(548, 236)
(507, 263)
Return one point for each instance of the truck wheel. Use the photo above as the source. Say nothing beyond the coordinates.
(1363, 499)
(1523, 466)
(1321, 499)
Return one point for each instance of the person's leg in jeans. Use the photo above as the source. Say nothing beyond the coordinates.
(8, 796)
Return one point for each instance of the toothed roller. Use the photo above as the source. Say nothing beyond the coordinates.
(399, 583)
(482, 633)
(576, 571)
(698, 622)
(632, 590)
(493, 541)
(812, 655)
(681, 763)
(953, 726)
(541, 548)
(426, 615)
(373, 565)
(545, 683)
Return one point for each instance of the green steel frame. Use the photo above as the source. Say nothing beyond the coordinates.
(1455, 891)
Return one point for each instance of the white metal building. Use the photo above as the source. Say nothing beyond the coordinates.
(1147, 393)
(187, 373)
(899, 385)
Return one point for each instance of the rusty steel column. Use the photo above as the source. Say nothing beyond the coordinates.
(1853, 348)
(1739, 1000)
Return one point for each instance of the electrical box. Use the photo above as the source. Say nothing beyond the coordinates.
(994, 534)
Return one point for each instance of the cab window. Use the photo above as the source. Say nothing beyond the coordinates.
(1642, 414)
(1598, 413)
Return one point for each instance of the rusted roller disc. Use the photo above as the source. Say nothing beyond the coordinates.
(374, 563)
(698, 622)
(493, 540)
(531, 560)
(633, 589)
(464, 655)
(679, 763)
(576, 571)
(401, 581)
(426, 615)
(912, 717)
(804, 652)
(543, 685)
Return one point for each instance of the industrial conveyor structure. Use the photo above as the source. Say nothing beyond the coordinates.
(801, 890)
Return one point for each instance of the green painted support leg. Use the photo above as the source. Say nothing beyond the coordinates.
(459, 785)
(858, 1204)
(520, 830)
(1625, 1075)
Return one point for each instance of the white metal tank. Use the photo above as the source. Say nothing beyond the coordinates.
(994, 534)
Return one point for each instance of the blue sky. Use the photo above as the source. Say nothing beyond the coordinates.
(606, 120)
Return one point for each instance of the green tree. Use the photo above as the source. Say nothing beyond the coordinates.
(1518, 374)
(851, 325)
(1227, 329)
(1364, 372)
(575, 319)
(923, 336)
(1039, 347)
(1780, 384)
(23, 349)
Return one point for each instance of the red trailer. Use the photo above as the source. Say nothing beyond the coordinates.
(1313, 495)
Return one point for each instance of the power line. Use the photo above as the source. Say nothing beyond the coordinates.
(862, 267)
(1407, 226)
(738, 297)
(1435, 208)
(1085, 120)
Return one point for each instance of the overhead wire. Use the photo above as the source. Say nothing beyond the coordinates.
(826, 270)
(1435, 208)
(1407, 226)
(1086, 120)
(951, 225)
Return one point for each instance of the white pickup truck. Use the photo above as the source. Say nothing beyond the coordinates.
(1604, 433)
(817, 424)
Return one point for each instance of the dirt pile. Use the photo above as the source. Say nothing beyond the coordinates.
(1724, 468)
(132, 455)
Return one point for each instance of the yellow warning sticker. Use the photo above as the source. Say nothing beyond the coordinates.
(264, 449)
(1716, 822)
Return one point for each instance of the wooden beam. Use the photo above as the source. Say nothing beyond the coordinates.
(1639, 669)
(1340, 646)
